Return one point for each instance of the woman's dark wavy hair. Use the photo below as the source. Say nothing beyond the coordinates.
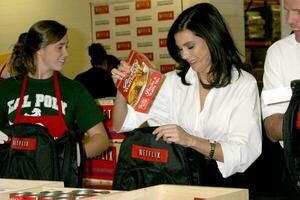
(205, 21)
(40, 34)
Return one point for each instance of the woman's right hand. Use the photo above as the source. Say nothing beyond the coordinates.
(3, 137)
(120, 106)
(121, 72)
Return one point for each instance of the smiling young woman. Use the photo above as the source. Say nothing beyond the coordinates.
(40, 94)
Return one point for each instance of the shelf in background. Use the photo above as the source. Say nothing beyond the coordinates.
(262, 2)
(257, 43)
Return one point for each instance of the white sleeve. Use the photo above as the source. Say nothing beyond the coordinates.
(272, 79)
(133, 119)
(243, 143)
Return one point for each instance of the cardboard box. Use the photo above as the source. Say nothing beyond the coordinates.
(142, 84)
(178, 192)
(159, 192)
(106, 105)
(99, 171)
(97, 183)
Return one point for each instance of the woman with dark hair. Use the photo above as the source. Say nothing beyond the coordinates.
(48, 97)
(205, 22)
(209, 104)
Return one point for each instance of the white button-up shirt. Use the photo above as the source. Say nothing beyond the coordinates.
(281, 67)
(231, 116)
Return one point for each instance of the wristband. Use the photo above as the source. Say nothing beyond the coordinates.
(212, 149)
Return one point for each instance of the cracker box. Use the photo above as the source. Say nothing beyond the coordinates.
(142, 84)
(107, 104)
(99, 171)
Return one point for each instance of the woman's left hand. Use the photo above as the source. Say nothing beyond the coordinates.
(172, 133)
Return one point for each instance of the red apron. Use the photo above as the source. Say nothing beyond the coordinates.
(55, 124)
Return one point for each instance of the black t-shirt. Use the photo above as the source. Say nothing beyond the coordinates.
(98, 82)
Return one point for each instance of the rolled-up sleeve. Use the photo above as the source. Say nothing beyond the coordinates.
(272, 79)
(243, 143)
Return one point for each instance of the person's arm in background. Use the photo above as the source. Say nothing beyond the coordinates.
(119, 111)
(272, 79)
(97, 141)
(273, 127)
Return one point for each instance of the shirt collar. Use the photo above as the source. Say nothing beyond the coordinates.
(191, 76)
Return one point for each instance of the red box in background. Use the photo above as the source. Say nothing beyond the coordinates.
(107, 104)
(99, 171)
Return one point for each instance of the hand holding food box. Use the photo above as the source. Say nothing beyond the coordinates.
(142, 84)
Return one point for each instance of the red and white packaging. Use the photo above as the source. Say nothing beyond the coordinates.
(99, 171)
(107, 104)
(142, 84)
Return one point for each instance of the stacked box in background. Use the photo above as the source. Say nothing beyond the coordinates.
(99, 171)
(255, 25)
(276, 28)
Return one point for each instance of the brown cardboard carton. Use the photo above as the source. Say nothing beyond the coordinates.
(179, 192)
(158, 192)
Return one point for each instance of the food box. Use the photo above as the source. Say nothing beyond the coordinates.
(106, 104)
(142, 84)
(99, 171)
